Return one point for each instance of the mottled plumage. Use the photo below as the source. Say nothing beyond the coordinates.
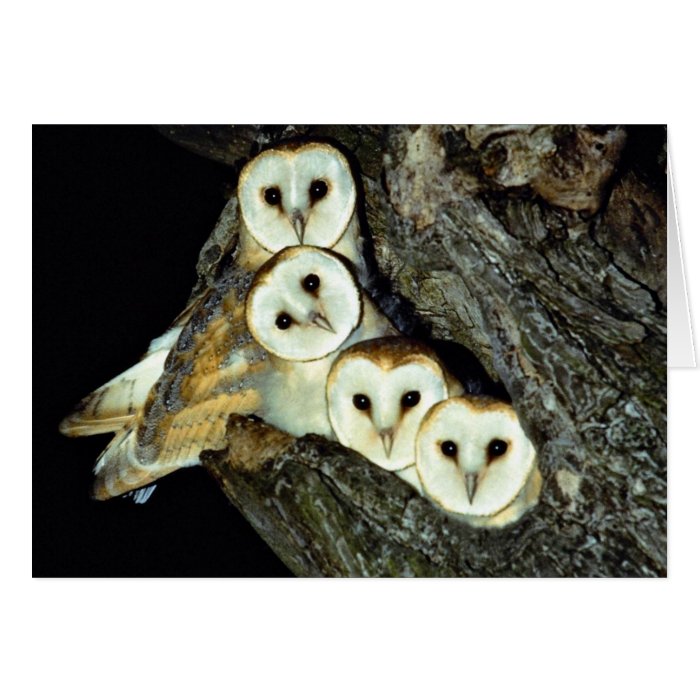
(222, 365)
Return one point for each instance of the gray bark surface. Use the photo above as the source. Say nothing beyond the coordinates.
(541, 249)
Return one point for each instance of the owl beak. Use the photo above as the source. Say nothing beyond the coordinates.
(472, 482)
(297, 219)
(321, 321)
(387, 436)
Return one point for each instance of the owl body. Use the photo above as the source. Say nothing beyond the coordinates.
(378, 392)
(474, 460)
(234, 357)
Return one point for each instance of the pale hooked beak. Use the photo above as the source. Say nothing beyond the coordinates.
(321, 321)
(387, 436)
(472, 482)
(297, 219)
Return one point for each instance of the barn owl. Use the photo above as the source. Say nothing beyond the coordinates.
(287, 195)
(378, 392)
(474, 459)
(265, 350)
(298, 194)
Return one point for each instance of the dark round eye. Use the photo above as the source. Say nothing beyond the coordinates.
(449, 449)
(497, 448)
(283, 321)
(361, 402)
(318, 190)
(311, 283)
(410, 399)
(273, 196)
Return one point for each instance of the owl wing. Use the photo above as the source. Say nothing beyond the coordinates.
(210, 374)
(111, 407)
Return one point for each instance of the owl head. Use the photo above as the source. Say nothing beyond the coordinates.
(377, 394)
(303, 303)
(472, 455)
(293, 195)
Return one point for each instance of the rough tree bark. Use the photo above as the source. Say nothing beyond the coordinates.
(542, 249)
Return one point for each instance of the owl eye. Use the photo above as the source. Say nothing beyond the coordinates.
(496, 448)
(410, 399)
(311, 283)
(449, 449)
(273, 196)
(283, 321)
(318, 190)
(361, 402)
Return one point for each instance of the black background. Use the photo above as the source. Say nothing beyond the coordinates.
(119, 216)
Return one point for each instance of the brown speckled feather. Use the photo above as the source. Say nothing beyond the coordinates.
(217, 368)
(206, 378)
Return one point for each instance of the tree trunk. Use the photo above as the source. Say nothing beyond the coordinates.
(543, 251)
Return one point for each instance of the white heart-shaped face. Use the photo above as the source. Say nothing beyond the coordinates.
(466, 445)
(301, 196)
(376, 410)
(303, 304)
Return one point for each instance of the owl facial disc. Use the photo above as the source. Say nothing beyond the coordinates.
(303, 304)
(294, 196)
(378, 392)
(473, 456)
